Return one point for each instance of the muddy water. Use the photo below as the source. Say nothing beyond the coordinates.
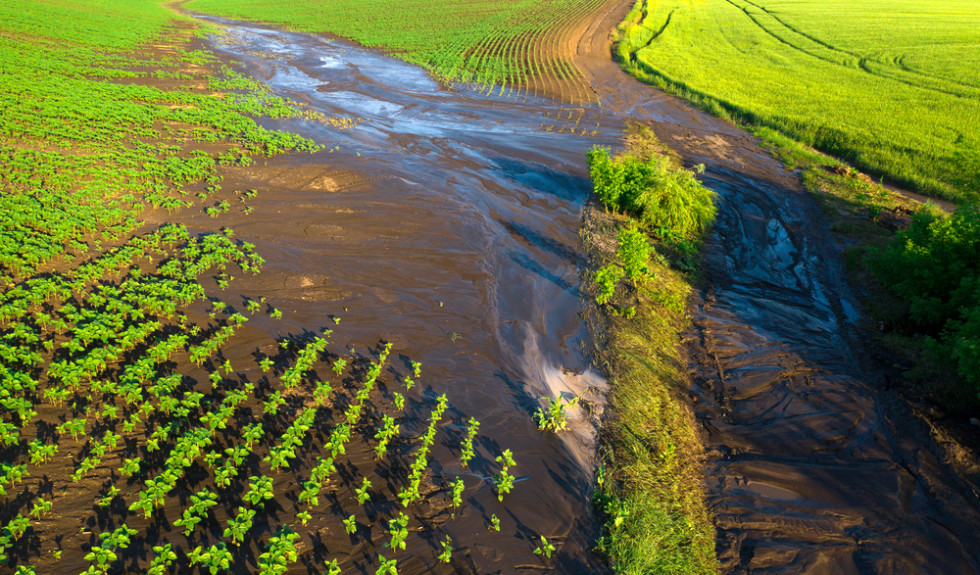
(445, 222)
(810, 468)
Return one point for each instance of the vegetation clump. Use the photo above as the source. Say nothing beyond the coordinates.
(933, 265)
(652, 190)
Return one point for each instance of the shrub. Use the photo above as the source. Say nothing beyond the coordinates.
(634, 252)
(934, 266)
(654, 190)
(606, 278)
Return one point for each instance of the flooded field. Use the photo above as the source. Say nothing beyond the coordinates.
(445, 220)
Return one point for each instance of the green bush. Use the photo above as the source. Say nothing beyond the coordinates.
(634, 252)
(653, 190)
(606, 278)
(934, 266)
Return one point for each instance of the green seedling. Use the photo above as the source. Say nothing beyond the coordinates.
(466, 449)
(554, 418)
(350, 525)
(504, 480)
(363, 496)
(239, 525)
(398, 528)
(163, 558)
(447, 550)
(545, 548)
(458, 487)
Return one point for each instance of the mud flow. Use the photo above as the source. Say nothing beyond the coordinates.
(445, 221)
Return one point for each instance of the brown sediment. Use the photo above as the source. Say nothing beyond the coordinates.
(446, 223)
(812, 466)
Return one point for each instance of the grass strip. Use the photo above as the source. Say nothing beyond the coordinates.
(649, 486)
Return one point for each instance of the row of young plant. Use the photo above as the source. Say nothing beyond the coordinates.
(97, 340)
(91, 303)
(260, 488)
(193, 441)
(516, 47)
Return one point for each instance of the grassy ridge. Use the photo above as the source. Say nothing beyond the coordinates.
(891, 87)
(650, 487)
(514, 43)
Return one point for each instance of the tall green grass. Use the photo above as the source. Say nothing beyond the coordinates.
(650, 488)
(892, 87)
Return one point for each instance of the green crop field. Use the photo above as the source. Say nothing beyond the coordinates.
(128, 441)
(515, 44)
(892, 86)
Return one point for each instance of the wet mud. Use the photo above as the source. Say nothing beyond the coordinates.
(446, 222)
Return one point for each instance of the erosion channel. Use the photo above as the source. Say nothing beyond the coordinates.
(446, 222)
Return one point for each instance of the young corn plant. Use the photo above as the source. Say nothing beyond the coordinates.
(504, 480)
(555, 418)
